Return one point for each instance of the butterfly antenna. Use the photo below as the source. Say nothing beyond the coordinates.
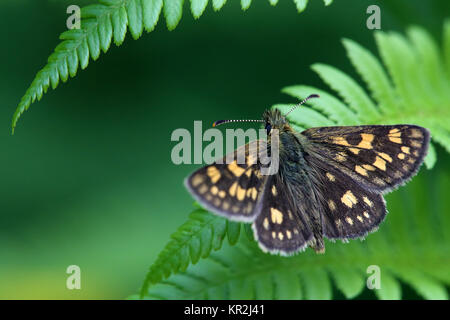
(302, 102)
(219, 122)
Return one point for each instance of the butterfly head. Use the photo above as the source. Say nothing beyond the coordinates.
(272, 119)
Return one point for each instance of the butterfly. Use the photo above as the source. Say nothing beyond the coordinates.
(329, 183)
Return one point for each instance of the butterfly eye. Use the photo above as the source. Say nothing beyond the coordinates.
(268, 128)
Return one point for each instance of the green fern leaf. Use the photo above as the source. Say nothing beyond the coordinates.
(198, 7)
(100, 24)
(195, 239)
(218, 4)
(446, 41)
(301, 5)
(373, 74)
(245, 4)
(172, 12)
(349, 90)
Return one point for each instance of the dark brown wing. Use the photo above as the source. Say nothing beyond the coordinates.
(377, 157)
(231, 188)
(283, 225)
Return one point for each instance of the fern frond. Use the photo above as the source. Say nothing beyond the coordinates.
(419, 257)
(414, 89)
(100, 24)
(195, 239)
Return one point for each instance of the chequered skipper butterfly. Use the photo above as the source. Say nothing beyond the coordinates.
(330, 182)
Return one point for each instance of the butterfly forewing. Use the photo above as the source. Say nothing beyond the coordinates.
(231, 187)
(377, 157)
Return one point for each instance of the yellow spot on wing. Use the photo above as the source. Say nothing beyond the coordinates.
(233, 189)
(366, 214)
(380, 163)
(196, 180)
(236, 169)
(202, 189)
(354, 150)
(379, 181)
(341, 141)
(214, 190)
(330, 177)
(405, 149)
(401, 156)
(369, 167)
(277, 216)
(213, 173)
(273, 234)
(289, 234)
(280, 236)
(226, 205)
(254, 193)
(359, 218)
(222, 194)
(395, 132)
(366, 142)
(385, 156)
(240, 193)
(367, 201)
(416, 133)
(349, 199)
(349, 221)
(361, 170)
(395, 139)
(290, 215)
(266, 224)
(274, 190)
(331, 205)
(341, 157)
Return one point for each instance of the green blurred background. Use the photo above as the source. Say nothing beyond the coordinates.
(87, 178)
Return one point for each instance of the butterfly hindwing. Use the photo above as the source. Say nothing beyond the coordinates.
(377, 157)
(228, 187)
(349, 210)
(280, 227)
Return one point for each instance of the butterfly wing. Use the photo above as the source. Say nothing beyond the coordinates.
(348, 209)
(232, 186)
(283, 225)
(355, 165)
(376, 157)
